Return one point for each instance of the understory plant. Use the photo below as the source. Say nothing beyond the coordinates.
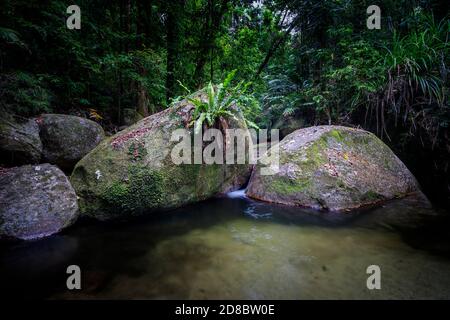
(416, 89)
(223, 102)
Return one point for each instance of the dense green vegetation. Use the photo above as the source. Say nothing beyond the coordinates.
(310, 61)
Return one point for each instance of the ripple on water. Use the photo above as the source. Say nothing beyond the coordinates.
(235, 248)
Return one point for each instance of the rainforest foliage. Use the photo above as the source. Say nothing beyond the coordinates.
(310, 61)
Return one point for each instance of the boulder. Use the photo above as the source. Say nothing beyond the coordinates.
(133, 173)
(66, 139)
(36, 201)
(333, 168)
(19, 141)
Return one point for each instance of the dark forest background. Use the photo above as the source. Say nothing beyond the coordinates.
(303, 63)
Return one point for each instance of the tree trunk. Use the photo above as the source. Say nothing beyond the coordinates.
(142, 95)
(142, 101)
(171, 53)
(210, 29)
(120, 84)
(128, 24)
(276, 44)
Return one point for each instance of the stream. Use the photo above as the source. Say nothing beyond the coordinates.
(235, 248)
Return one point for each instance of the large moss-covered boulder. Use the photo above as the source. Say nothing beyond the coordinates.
(19, 141)
(133, 173)
(36, 201)
(66, 139)
(333, 168)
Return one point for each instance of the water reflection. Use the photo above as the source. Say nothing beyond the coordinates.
(232, 248)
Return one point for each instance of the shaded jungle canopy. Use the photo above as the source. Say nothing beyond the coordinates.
(302, 63)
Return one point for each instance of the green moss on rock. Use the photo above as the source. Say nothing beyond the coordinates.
(290, 187)
(336, 134)
(133, 172)
(333, 168)
(142, 190)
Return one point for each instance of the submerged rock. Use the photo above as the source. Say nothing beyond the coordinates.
(66, 139)
(19, 141)
(333, 168)
(133, 173)
(36, 201)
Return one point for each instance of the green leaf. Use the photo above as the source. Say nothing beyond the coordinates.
(211, 96)
(229, 78)
(199, 123)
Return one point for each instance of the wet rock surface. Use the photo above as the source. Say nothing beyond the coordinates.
(19, 141)
(66, 139)
(133, 173)
(36, 201)
(333, 168)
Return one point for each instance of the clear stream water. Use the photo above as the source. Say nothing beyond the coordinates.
(237, 248)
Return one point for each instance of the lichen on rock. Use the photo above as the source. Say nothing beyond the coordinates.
(66, 139)
(141, 190)
(333, 168)
(133, 173)
(36, 201)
